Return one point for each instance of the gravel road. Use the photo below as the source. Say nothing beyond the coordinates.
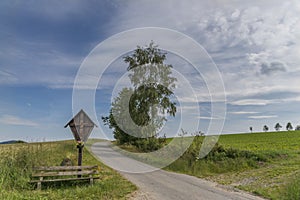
(160, 184)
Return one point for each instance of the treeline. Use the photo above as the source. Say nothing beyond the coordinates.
(278, 127)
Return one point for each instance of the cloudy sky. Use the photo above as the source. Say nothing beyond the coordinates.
(255, 46)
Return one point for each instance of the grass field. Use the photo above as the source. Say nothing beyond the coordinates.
(17, 161)
(267, 164)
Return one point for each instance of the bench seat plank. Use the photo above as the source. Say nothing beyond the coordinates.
(63, 168)
(63, 173)
(64, 179)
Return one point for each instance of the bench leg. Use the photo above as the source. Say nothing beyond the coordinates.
(39, 184)
(91, 180)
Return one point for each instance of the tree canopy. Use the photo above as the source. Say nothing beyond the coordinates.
(140, 111)
(289, 126)
(265, 128)
(277, 127)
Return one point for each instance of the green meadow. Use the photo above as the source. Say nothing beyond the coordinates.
(266, 164)
(16, 165)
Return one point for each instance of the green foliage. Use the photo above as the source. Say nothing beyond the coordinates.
(265, 128)
(149, 144)
(219, 153)
(118, 114)
(277, 127)
(153, 86)
(137, 113)
(289, 126)
(218, 160)
(143, 56)
(15, 171)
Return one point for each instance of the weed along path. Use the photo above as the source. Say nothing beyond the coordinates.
(160, 184)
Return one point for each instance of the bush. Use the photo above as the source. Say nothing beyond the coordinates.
(218, 160)
(219, 153)
(149, 144)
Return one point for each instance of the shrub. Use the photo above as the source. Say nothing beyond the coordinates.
(149, 144)
(218, 160)
(219, 153)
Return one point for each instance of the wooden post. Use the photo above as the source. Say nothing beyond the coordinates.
(79, 157)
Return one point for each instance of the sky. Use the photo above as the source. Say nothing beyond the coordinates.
(254, 47)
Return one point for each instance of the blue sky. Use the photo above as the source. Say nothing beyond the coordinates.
(255, 46)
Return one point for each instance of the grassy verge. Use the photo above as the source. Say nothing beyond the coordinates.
(292, 189)
(18, 160)
(264, 163)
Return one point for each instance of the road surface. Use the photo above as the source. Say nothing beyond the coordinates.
(160, 184)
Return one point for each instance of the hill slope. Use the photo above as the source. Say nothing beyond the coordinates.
(262, 163)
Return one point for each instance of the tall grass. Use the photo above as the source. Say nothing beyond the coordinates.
(261, 163)
(18, 160)
(16, 165)
(15, 171)
(219, 160)
(291, 190)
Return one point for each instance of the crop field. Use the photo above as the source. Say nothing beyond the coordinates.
(285, 141)
(266, 164)
(17, 161)
(270, 179)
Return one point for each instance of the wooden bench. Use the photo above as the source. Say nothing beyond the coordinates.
(63, 173)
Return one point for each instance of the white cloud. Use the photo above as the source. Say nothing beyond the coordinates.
(245, 39)
(253, 102)
(262, 102)
(243, 112)
(263, 117)
(293, 99)
(14, 120)
(209, 118)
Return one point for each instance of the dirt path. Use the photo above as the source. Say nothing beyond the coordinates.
(160, 184)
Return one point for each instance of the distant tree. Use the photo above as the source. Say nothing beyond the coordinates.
(265, 128)
(251, 129)
(198, 133)
(297, 128)
(289, 126)
(278, 127)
